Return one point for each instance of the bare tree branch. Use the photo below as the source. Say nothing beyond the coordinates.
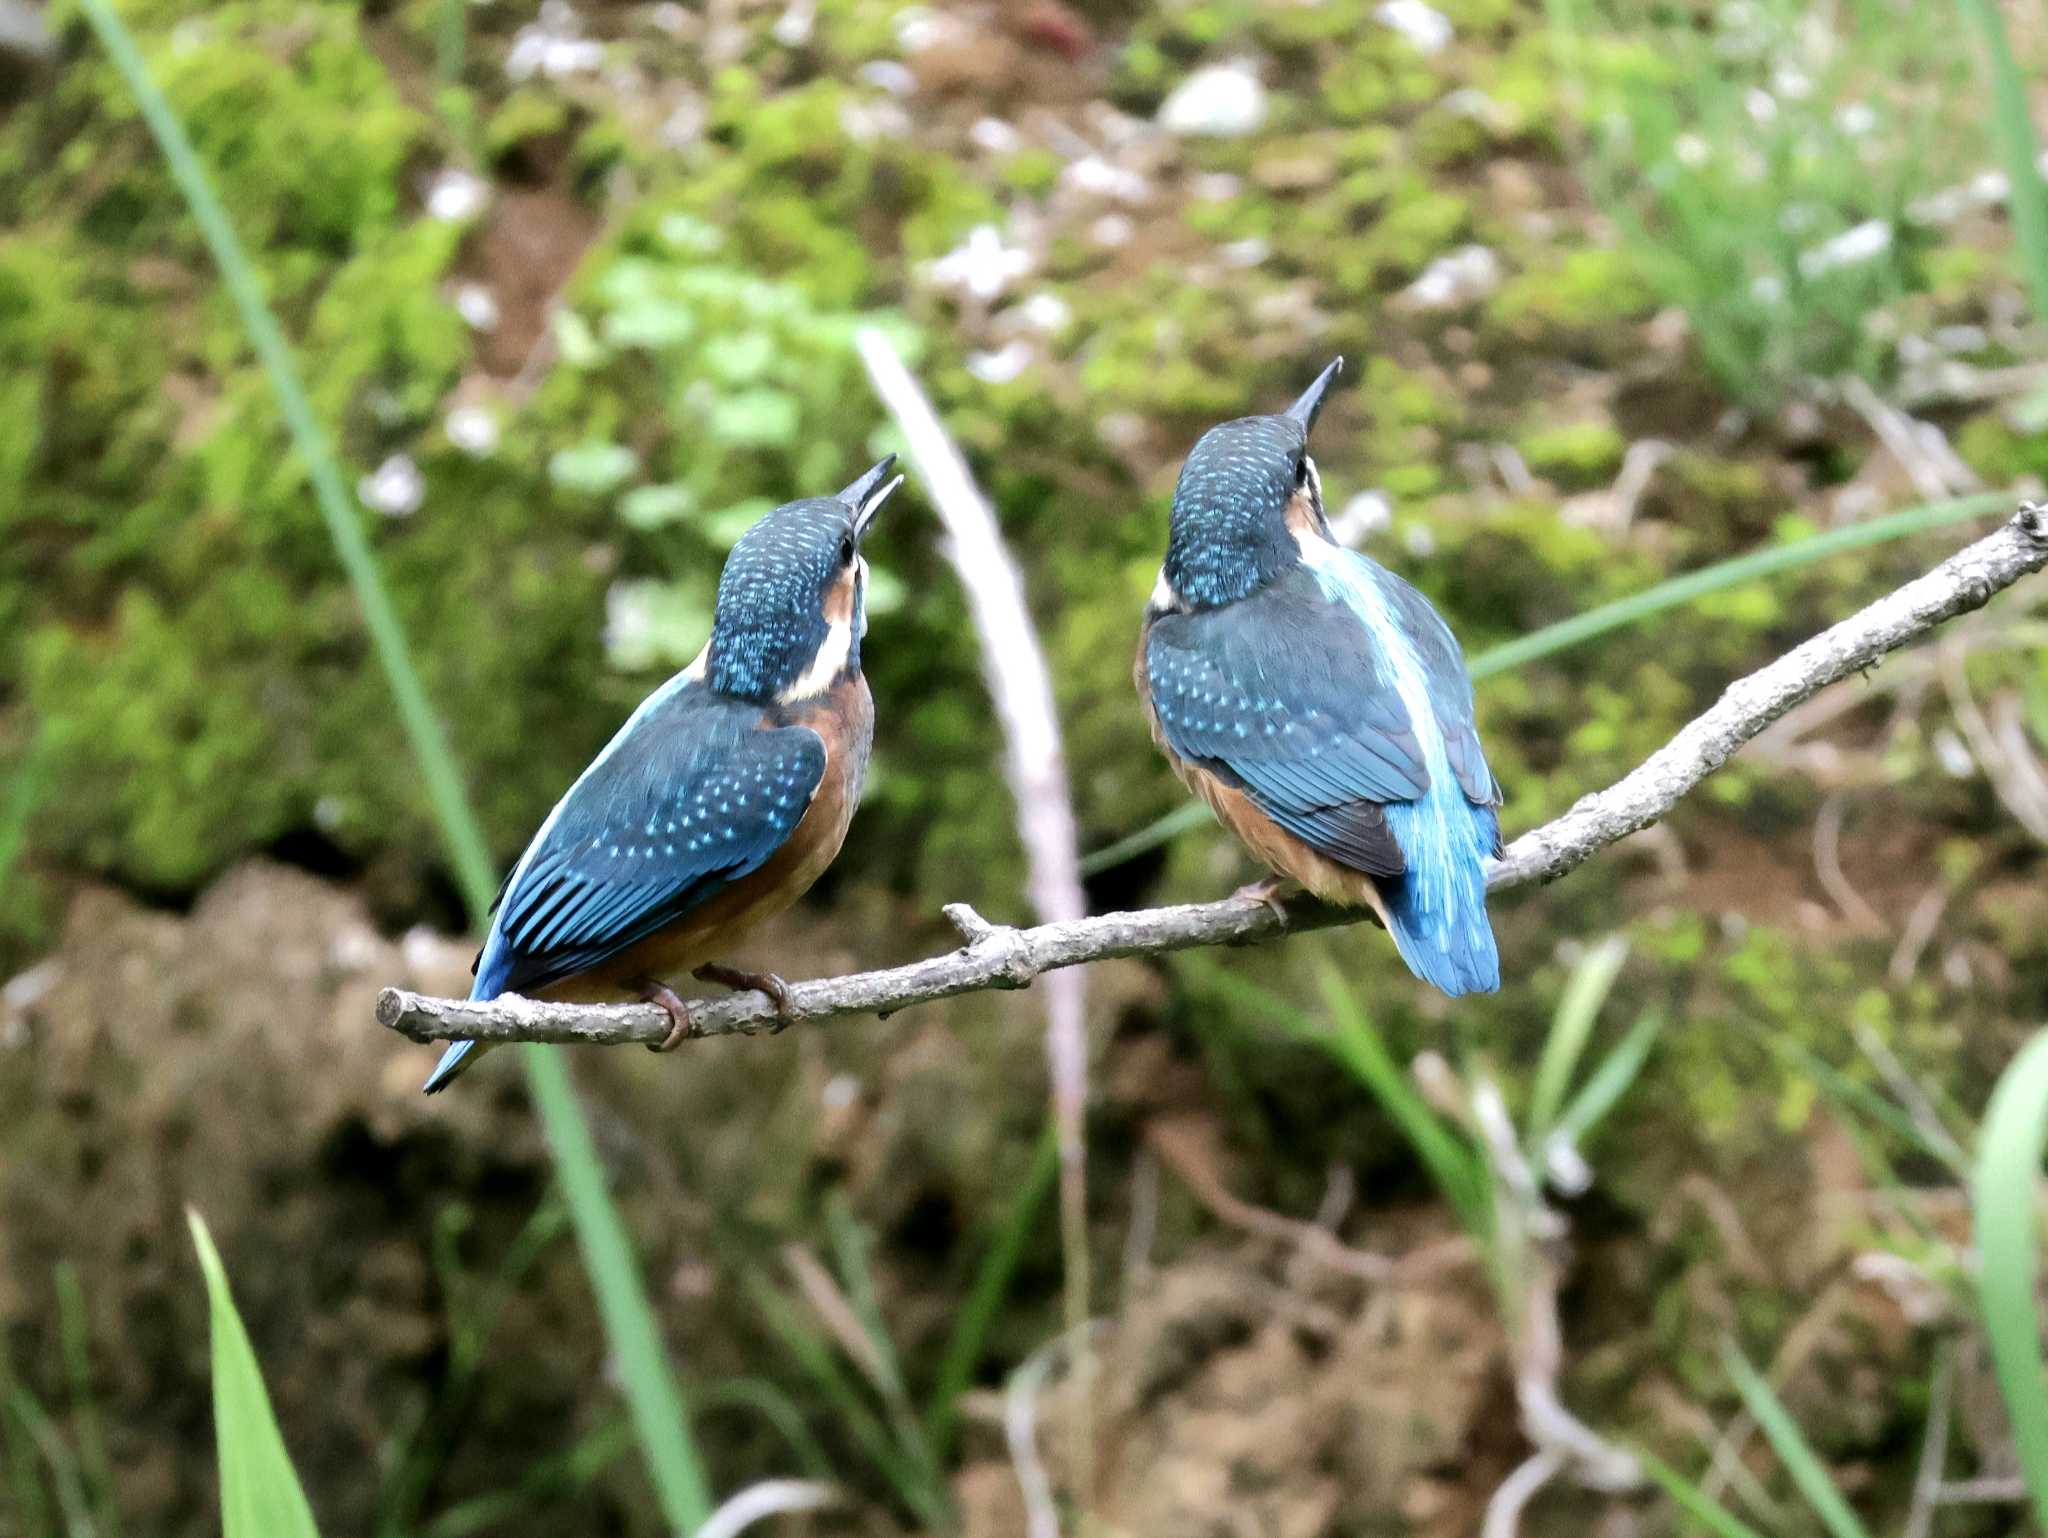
(998, 956)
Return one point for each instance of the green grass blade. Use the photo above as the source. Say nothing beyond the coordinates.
(51, 1448)
(2006, 1195)
(451, 41)
(260, 1496)
(1450, 1162)
(2013, 128)
(1571, 1027)
(1695, 1502)
(640, 1354)
(654, 1398)
(1786, 1439)
(817, 1359)
(1681, 590)
(1623, 612)
(1852, 1097)
(857, 1278)
(768, 1400)
(1352, 1039)
(991, 1282)
(17, 1442)
(75, 1328)
(31, 778)
(1162, 830)
(549, 1479)
(1605, 1086)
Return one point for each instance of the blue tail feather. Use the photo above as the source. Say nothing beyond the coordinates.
(1437, 911)
(459, 1056)
(462, 1055)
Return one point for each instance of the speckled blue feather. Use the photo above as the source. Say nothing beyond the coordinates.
(769, 624)
(1227, 536)
(690, 796)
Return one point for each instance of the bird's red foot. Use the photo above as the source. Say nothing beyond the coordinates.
(1265, 890)
(680, 1025)
(757, 982)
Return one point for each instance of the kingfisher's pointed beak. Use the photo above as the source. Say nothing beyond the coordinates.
(864, 498)
(1304, 410)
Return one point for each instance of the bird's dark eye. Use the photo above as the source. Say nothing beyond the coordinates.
(1301, 472)
(846, 549)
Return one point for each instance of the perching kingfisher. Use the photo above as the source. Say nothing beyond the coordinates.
(722, 798)
(1318, 702)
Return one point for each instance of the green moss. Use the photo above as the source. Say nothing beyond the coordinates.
(2000, 454)
(1576, 454)
(1032, 171)
(1576, 291)
(523, 119)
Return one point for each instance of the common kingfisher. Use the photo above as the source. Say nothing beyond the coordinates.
(1318, 702)
(722, 798)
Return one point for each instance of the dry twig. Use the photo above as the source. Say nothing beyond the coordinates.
(998, 956)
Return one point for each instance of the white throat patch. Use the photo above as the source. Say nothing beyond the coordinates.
(1164, 599)
(826, 666)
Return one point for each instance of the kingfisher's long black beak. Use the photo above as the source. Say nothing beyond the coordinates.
(864, 498)
(1304, 410)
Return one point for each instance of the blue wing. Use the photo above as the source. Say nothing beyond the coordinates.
(691, 795)
(1285, 694)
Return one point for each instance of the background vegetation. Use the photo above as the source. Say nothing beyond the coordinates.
(1629, 290)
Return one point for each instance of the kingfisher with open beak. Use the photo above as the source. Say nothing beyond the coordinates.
(1318, 702)
(722, 798)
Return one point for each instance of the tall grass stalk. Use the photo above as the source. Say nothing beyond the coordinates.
(1792, 1448)
(1622, 613)
(651, 1390)
(31, 778)
(1571, 1027)
(75, 1327)
(2006, 1196)
(1695, 1502)
(17, 1442)
(51, 1449)
(451, 41)
(991, 1282)
(2013, 128)
(638, 1352)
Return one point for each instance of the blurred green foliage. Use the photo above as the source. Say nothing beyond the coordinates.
(174, 634)
(1770, 169)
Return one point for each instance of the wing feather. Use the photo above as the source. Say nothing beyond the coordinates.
(1283, 694)
(693, 794)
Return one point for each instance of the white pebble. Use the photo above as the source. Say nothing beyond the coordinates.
(1221, 101)
(473, 430)
(395, 488)
(1427, 30)
(456, 195)
(1454, 280)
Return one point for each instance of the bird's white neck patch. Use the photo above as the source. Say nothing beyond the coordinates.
(1164, 599)
(825, 667)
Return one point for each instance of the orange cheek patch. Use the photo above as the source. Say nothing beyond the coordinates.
(839, 599)
(1301, 517)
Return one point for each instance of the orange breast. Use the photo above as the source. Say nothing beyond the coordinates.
(845, 717)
